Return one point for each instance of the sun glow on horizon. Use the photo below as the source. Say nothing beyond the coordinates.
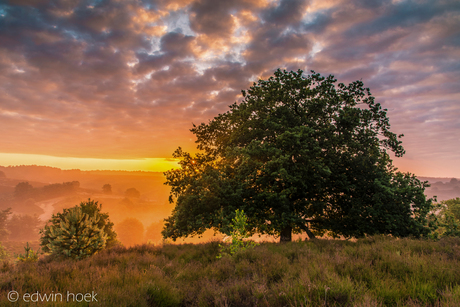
(88, 164)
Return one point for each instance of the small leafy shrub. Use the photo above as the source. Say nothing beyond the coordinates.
(239, 233)
(74, 235)
(30, 255)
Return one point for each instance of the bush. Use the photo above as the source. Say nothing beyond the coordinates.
(74, 234)
(91, 208)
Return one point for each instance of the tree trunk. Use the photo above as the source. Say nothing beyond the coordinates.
(310, 234)
(286, 234)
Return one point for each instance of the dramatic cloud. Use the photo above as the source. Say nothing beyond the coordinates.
(126, 79)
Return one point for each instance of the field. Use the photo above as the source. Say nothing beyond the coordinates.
(376, 271)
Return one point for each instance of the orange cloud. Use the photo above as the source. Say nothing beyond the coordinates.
(125, 80)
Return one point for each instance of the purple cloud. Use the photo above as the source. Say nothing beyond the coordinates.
(126, 79)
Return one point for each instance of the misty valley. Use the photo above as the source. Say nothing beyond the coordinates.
(137, 202)
(145, 270)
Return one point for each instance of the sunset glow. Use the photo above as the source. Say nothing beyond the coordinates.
(86, 164)
(118, 84)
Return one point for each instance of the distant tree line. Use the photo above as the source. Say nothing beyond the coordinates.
(453, 184)
(24, 190)
(31, 171)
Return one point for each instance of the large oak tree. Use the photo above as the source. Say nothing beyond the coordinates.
(299, 153)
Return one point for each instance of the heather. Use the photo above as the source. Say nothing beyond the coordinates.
(375, 271)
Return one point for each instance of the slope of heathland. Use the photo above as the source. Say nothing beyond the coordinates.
(376, 271)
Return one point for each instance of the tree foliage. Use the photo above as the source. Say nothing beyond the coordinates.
(23, 190)
(58, 189)
(298, 154)
(239, 234)
(87, 215)
(133, 193)
(107, 188)
(29, 254)
(447, 218)
(77, 236)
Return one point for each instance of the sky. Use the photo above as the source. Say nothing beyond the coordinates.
(117, 84)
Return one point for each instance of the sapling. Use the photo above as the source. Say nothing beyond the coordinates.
(238, 234)
(30, 255)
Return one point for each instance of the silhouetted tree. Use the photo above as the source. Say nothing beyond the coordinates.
(107, 189)
(23, 190)
(58, 189)
(132, 192)
(298, 154)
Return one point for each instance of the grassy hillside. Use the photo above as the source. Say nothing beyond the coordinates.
(377, 271)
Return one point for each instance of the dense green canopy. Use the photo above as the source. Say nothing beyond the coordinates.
(297, 154)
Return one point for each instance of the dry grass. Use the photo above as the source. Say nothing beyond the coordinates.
(377, 271)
